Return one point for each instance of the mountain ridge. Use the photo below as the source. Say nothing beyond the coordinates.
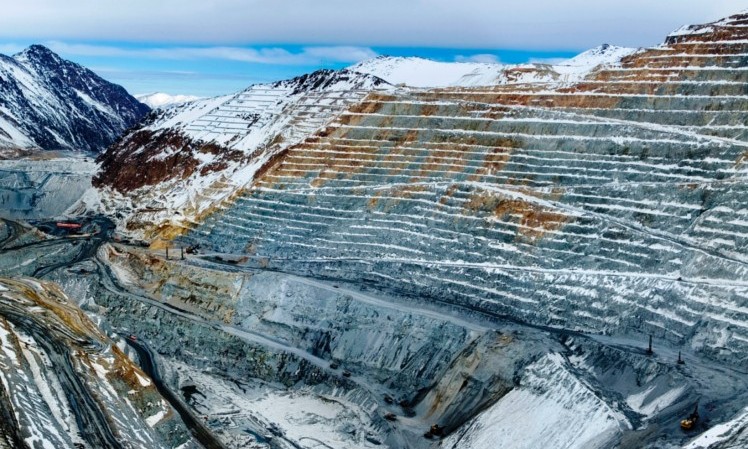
(49, 103)
(192, 156)
(427, 73)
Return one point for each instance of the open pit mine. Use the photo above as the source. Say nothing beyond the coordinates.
(517, 257)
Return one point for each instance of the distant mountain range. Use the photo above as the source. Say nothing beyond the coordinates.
(48, 103)
(419, 72)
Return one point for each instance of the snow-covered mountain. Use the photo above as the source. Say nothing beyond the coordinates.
(49, 103)
(419, 72)
(199, 152)
(188, 157)
(160, 99)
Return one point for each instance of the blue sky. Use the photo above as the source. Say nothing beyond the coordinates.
(212, 47)
(206, 71)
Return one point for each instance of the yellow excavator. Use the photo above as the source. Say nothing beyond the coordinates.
(690, 422)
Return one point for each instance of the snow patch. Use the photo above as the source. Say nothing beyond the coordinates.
(551, 408)
(160, 99)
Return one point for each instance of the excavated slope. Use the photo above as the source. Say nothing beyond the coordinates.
(613, 205)
(64, 384)
(186, 158)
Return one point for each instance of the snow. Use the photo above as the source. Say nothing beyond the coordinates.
(89, 201)
(28, 402)
(585, 62)
(296, 418)
(252, 121)
(551, 408)
(39, 111)
(189, 112)
(155, 419)
(160, 99)
(15, 136)
(6, 346)
(100, 370)
(644, 404)
(94, 104)
(123, 275)
(57, 402)
(302, 416)
(420, 72)
(143, 381)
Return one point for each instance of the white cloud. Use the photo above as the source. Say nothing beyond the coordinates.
(266, 55)
(483, 58)
(529, 24)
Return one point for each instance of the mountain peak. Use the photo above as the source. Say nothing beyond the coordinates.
(38, 52)
(39, 49)
(326, 79)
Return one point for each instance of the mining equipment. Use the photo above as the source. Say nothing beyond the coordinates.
(435, 431)
(690, 422)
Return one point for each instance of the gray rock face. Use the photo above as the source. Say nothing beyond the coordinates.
(34, 189)
(264, 327)
(293, 337)
(611, 206)
(64, 384)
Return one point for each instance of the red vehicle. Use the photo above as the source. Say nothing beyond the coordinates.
(65, 225)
